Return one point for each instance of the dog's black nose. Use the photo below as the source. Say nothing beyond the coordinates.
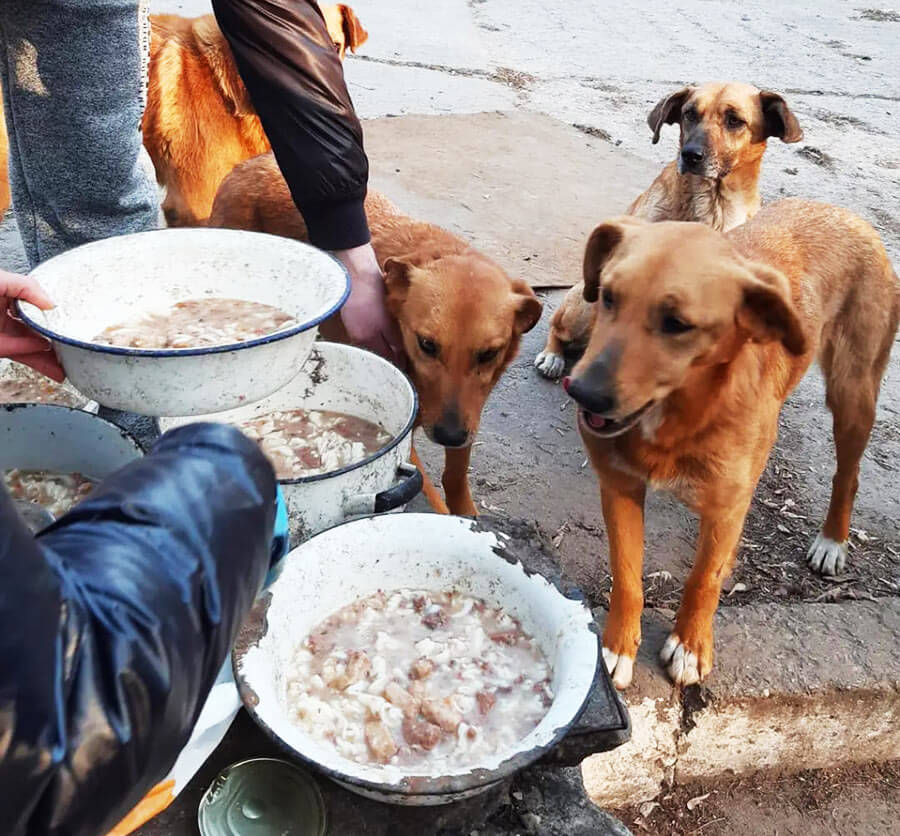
(449, 431)
(691, 155)
(450, 436)
(591, 398)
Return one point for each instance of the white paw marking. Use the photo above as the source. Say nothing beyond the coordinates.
(550, 365)
(620, 668)
(826, 556)
(680, 663)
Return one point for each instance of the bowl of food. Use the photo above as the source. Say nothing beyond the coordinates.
(51, 455)
(21, 384)
(339, 436)
(185, 321)
(411, 659)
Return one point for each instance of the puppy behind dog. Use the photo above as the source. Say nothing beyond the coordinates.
(199, 122)
(699, 338)
(714, 180)
(461, 316)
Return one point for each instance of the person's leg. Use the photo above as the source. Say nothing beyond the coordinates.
(73, 78)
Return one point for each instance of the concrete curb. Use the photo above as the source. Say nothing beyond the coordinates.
(796, 687)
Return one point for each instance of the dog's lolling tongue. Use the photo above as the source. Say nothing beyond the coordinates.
(598, 422)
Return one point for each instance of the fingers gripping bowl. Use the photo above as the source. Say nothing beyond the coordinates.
(118, 279)
(411, 551)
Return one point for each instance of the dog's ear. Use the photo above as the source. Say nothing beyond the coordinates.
(766, 312)
(600, 246)
(397, 273)
(354, 34)
(217, 53)
(668, 111)
(780, 121)
(528, 307)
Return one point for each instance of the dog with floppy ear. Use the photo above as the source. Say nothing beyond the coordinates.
(461, 317)
(698, 340)
(345, 28)
(715, 180)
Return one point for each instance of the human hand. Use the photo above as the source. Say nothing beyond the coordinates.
(365, 314)
(17, 341)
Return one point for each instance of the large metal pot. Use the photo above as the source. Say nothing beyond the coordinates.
(419, 551)
(342, 378)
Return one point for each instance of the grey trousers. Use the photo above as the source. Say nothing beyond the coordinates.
(73, 74)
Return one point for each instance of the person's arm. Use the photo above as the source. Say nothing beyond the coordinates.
(294, 76)
(17, 341)
(115, 621)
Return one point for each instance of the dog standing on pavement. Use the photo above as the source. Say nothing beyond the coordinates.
(462, 318)
(715, 181)
(699, 338)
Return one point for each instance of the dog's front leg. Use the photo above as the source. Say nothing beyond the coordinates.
(688, 652)
(623, 513)
(432, 494)
(456, 481)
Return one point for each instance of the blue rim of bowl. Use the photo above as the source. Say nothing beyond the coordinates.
(15, 406)
(54, 336)
(465, 782)
(381, 451)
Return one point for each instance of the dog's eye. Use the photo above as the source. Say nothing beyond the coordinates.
(608, 298)
(690, 115)
(671, 324)
(733, 121)
(428, 347)
(487, 356)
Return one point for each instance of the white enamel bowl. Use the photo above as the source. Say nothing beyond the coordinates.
(117, 279)
(345, 379)
(397, 551)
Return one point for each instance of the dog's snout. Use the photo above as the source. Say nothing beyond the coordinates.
(593, 400)
(595, 387)
(691, 155)
(449, 431)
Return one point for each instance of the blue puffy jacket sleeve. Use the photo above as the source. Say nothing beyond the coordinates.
(114, 623)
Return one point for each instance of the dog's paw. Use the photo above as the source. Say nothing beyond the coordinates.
(826, 556)
(683, 666)
(550, 364)
(620, 668)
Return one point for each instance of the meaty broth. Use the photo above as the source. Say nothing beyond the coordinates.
(38, 389)
(198, 323)
(307, 442)
(57, 492)
(422, 680)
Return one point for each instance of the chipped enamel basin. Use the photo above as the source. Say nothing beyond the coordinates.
(397, 551)
(345, 379)
(119, 279)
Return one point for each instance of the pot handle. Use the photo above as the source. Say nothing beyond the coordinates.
(400, 494)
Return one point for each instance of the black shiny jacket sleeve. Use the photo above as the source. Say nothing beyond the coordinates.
(296, 82)
(114, 623)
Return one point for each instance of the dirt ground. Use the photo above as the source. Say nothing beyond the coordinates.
(860, 801)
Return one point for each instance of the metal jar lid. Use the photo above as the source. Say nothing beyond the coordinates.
(262, 797)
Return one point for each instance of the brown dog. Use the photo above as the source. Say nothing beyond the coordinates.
(461, 316)
(699, 339)
(199, 122)
(715, 181)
